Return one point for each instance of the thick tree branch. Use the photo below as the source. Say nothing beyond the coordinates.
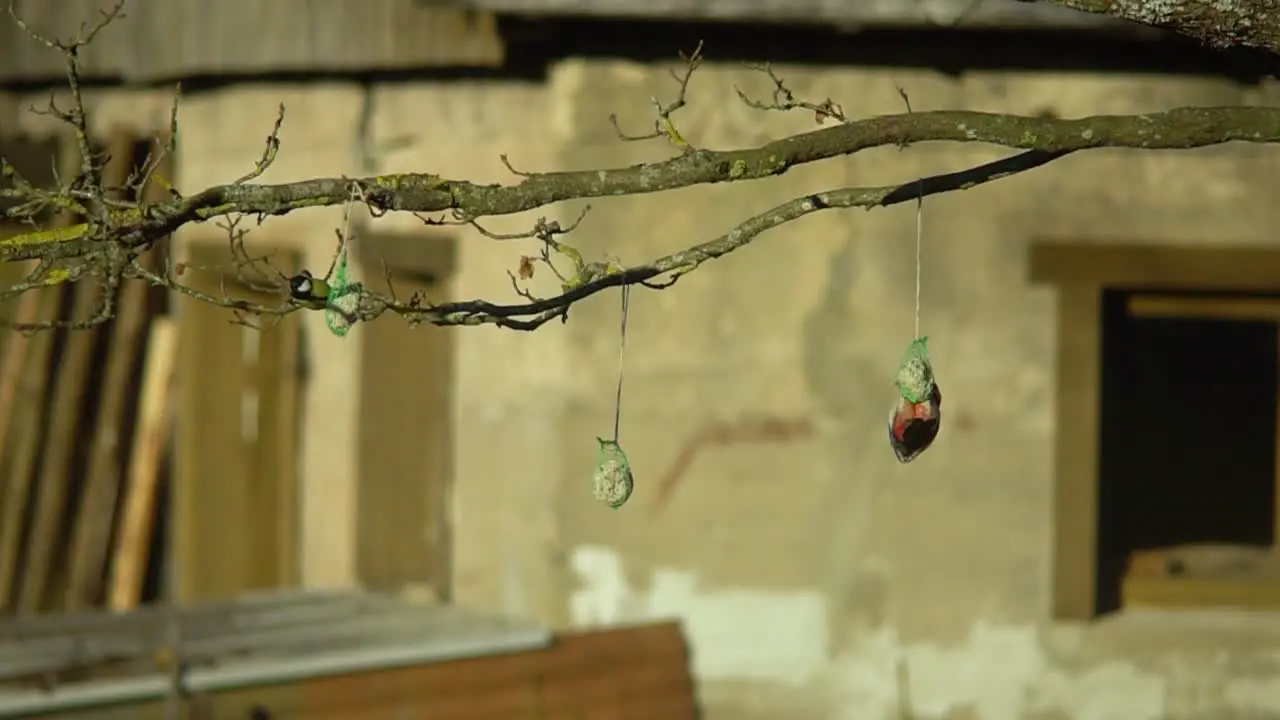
(1217, 23)
(530, 316)
(1181, 128)
(107, 245)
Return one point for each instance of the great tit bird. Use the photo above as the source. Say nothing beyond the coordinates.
(308, 290)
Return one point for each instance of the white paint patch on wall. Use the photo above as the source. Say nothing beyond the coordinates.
(1259, 694)
(1000, 672)
(753, 634)
(1111, 691)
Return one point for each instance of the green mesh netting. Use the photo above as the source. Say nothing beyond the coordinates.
(915, 373)
(612, 482)
(344, 299)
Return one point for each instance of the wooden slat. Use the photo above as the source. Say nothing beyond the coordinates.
(211, 473)
(58, 456)
(432, 256)
(91, 533)
(1076, 453)
(30, 409)
(14, 360)
(167, 39)
(282, 627)
(632, 672)
(60, 451)
(864, 13)
(1197, 593)
(222, 480)
(133, 537)
(404, 440)
(273, 500)
(1247, 309)
(1159, 266)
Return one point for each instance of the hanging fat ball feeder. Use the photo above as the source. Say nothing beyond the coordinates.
(342, 309)
(612, 482)
(916, 417)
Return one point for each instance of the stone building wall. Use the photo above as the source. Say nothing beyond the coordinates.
(807, 564)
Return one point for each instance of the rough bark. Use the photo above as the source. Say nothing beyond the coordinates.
(1216, 23)
(1181, 128)
(107, 245)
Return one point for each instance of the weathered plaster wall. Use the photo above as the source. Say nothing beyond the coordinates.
(808, 569)
(807, 564)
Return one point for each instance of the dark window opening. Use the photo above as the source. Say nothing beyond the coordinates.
(1187, 436)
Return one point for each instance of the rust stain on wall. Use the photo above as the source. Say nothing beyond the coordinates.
(748, 429)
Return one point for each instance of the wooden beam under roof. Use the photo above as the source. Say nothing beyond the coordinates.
(160, 40)
(854, 13)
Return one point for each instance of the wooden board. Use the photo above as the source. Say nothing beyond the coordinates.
(31, 410)
(96, 512)
(1192, 593)
(14, 360)
(862, 13)
(1075, 501)
(160, 40)
(272, 520)
(211, 470)
(1244, 309)
(22, 449)
(405, 445)
(137, 514)
(247, 643)
(62, 453)
(232, 402)
(1117, 264)
(58, 457)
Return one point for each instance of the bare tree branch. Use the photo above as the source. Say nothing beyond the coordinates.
(1237, 23)
(1177, 129)
(106, 246)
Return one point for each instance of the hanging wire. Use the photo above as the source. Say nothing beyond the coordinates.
(613, 482)
(622, 352)
(919, 235)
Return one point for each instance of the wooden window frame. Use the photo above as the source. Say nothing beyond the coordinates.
(1081, 272)
(403, 529)
(219, 481)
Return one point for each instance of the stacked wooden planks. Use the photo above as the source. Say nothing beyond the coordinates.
(337, 655)
(83, 414)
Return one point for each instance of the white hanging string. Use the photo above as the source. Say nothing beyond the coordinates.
(622, 350)
(919, 234)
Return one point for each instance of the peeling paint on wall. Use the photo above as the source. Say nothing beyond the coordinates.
(758, 634)
(997, 673)
(1261, 695)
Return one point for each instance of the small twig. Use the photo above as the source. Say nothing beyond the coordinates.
(268, 152)
(542, 228)
(507, 163)
(161, 151)
(386, 276)
(90, 171)
(663, 126)
(785, 100)
(906, 100)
